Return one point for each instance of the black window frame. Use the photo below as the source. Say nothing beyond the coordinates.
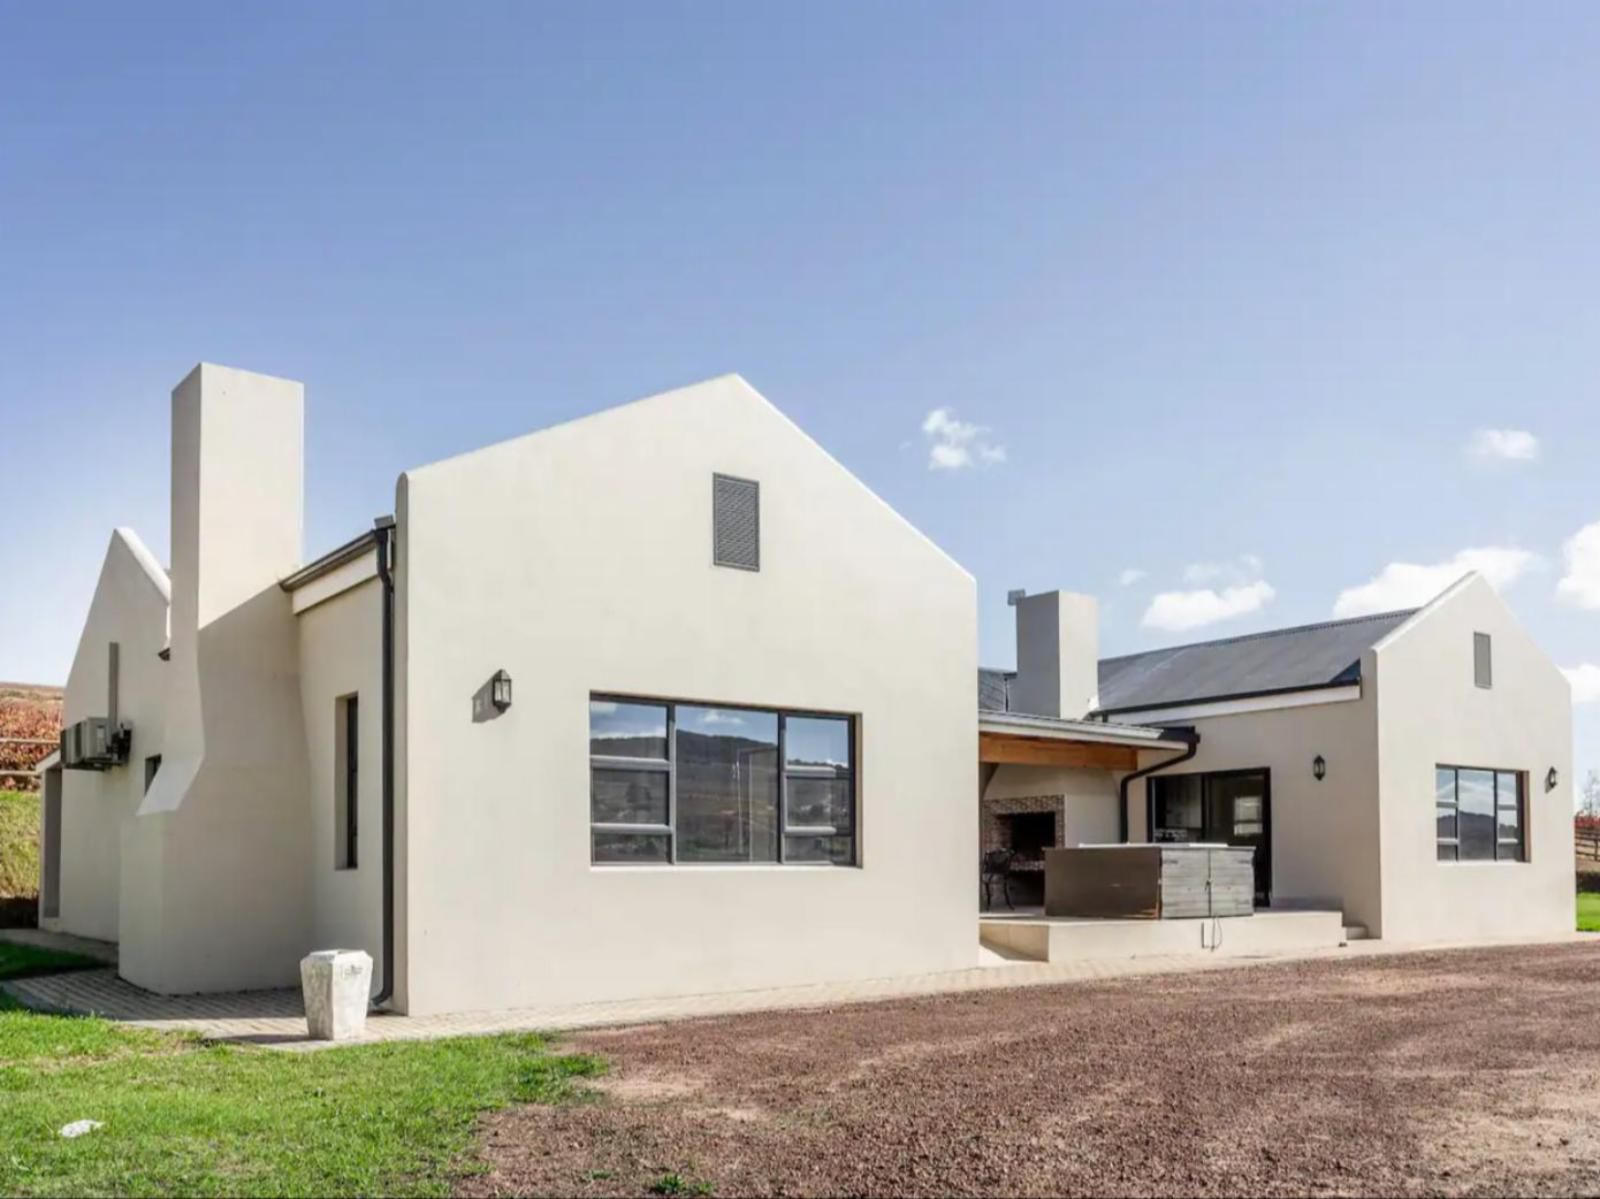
(668, 767)
(1454, 843)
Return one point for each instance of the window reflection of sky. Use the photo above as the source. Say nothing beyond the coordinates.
(810, 739)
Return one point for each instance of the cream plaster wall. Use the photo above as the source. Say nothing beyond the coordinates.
(340, 652)
(130, 608)
(1324, 835)
(579, 560)
(1430, 712)
(1089, 798)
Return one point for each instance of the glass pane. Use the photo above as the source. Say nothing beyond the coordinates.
(1506, 789)
(820, 802)
(1508, 825)
(1444, 785)
(1447, 822)
(1475, 789)
(838, 850)
(816, 741)
(628, 796)
(630, 847)
(727, 762)
(622, 730)
(1180, 814)
(1447, 853)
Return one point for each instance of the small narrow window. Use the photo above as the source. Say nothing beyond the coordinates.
(736, 522)
(1482, 660)
(346, 780)
(152, 766)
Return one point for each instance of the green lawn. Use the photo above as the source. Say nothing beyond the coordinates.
(19, 843)
(19, 961)
(183, 1117)
(1588, 912)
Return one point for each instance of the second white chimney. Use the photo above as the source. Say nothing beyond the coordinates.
(1058, 655)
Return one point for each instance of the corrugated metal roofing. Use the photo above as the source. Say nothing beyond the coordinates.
(1313, 655)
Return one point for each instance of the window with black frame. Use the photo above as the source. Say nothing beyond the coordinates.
(678, 783)
(1480, 814)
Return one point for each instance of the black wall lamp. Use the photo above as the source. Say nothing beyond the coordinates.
(500, 690)
(1319, 768)
(1551, 780)
(493, 698)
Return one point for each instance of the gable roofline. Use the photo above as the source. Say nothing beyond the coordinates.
(728, 379)
(146, 560)
(1427, 610)
(1264, 634)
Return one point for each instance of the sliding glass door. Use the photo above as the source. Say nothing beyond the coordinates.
(1224, 807)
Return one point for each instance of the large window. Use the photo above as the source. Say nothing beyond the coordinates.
(691, 783)
(1479, 814)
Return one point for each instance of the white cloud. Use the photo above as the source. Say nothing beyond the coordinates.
(1129, 577)
(1503, 445)
(715, 717)
(1175, 611)
(1246, 569)
(1410, 584)
(956, 444)
(1581, 584)
(1585, 682)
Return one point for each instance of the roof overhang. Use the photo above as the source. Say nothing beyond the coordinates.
(1011, 738)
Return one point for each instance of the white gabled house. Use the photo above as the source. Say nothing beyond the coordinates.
(655, 702)
(665, 701)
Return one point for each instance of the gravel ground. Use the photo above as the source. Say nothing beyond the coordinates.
(1460, 1072)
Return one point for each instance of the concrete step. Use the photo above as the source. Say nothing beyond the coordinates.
(1355, 932)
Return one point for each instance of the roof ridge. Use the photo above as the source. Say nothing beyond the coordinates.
(1264, 633)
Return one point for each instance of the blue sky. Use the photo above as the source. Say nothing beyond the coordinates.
(1217, 293)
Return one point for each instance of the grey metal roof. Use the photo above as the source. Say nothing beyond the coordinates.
(1295, 659)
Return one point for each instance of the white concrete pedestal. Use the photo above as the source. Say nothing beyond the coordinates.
(337, 984)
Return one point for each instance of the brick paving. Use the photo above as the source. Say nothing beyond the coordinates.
(277, 1018)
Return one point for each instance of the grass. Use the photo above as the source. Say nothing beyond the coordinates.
(19, 843)
(1589, 912)
(20, 961)
(181, 1116)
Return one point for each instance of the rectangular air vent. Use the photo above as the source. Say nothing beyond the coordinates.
(736, 522)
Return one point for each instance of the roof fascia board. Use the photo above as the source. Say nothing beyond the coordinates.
(1300, 697)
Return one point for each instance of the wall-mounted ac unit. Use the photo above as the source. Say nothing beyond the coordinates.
(95, 744)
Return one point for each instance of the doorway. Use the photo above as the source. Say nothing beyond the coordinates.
(50, 884)
(1226, 807)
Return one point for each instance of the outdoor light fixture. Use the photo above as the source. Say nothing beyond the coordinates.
(500, 690)
(1551, 779)
(1319, 768)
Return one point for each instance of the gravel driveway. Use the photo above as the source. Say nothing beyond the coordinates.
(1470, 1071)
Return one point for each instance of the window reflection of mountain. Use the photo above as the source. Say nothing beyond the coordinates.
(727, 797)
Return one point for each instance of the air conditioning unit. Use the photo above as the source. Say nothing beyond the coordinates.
(95, 744)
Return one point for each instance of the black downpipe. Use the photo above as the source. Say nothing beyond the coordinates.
(384, 528)
(1192, 736)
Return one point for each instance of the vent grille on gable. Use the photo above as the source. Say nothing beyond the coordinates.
(736, 522)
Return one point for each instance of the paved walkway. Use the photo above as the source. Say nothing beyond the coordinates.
(276, 1018)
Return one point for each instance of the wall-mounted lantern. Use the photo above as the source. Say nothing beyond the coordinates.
(500, 690)
(492, 699)
(1551, 780)
(1319, 768)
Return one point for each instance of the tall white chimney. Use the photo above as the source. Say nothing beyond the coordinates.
(1058, 655)
(238, 442)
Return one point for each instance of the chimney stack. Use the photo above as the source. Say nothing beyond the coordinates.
(237, 490)
(1058, 654)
